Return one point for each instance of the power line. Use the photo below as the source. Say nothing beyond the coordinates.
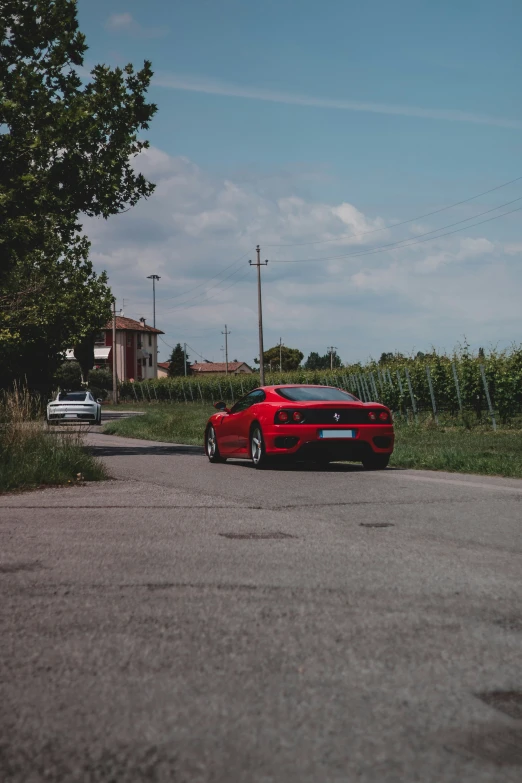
(188, 346)
(413, 241)
(197, 354)
(198, 304)
(188, 291)
(203, 293)
(402, 223)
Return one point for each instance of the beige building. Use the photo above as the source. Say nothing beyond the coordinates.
(136, 349)
(163, 369)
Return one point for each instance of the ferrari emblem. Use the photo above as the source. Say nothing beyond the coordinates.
(337, 416)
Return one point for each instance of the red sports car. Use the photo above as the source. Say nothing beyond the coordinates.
(319, 423)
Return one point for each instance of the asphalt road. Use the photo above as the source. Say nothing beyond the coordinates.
(199, 623)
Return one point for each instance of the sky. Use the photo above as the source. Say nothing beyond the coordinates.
(314, 129)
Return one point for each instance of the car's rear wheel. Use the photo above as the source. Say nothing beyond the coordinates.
(376, 461)
(211, 446)
(257, 447)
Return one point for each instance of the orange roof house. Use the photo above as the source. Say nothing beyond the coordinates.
(136, 348)
(220, 368)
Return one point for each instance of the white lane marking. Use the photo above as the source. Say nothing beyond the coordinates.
(458, 483)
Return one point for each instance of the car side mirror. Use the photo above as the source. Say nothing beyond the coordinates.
(221, 406)
(99, 400)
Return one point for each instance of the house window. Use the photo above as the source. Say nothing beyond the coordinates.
(99, 338)
(150, 360)
(150, 339)
(129, 341)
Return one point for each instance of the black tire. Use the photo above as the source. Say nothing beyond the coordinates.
(376, 461)
(98, 420)
(211, 446)
(257, 448)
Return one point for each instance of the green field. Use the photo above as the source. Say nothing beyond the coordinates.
(176, 423)
(460, 383)
(451, 448)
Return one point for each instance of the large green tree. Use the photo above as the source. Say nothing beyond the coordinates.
(290, 358)
(317, 362)
(66, 150)
(177, 362)
(62, 301)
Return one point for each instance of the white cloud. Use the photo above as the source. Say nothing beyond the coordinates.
(460, 250)
(212, 86)
(196, 225)
(119, 22)
(514, 249)
(125, 23)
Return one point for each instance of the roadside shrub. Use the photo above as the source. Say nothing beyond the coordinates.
(30, 455)
(68, 376)
(100, 382)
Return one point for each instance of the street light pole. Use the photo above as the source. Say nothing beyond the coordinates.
(260, 314)
(153, 278)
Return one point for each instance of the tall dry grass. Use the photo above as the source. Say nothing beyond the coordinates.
(31, 455)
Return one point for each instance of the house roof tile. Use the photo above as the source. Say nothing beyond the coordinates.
(218, 367)
(129, 324)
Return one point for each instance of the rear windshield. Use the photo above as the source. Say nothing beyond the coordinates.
(315, 394)
(73, 396)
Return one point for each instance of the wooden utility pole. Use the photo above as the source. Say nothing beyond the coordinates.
(331, 351)
(226, 347)
(280, 354)
(114, 359)
(260, 314)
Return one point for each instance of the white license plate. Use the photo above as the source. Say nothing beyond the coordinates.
(337, 433)
(70, 415)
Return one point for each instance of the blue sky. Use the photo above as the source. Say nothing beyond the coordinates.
(293, 120)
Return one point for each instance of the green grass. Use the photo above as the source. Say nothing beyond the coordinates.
(425, 447)
(458, 450)
(176, 423)
(31, 455)
(39, 458)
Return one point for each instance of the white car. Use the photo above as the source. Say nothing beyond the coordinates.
(75, 406)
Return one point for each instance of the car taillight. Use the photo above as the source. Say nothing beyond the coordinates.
(372, 415)
(296, 416)
(383, 416)
(282, 417)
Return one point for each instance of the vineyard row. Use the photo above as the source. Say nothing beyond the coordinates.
(488, 385)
